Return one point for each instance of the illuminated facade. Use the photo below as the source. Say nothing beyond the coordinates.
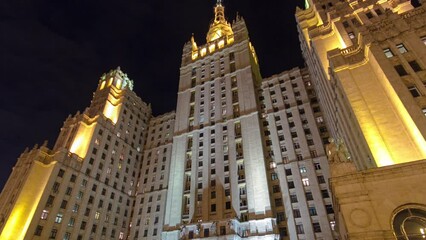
(248, 156)
(218, 180)
(85, 187)
(367, 59)
(294, 132)
(148, 213)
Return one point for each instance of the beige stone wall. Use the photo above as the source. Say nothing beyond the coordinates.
(368, 199)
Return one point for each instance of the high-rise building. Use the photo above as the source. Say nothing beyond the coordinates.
(218, 182)
(244, 156)
(148, 213)
(84, 187)
(243, 165)
(368, 60)
(294, 133)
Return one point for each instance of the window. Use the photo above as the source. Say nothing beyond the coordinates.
(414, 91)
(351, 35)
(401, 48)
(64, 204)
(276, 188)
(305, 182)
(274, 176)
(321, 179)
(299, 229)
(407, 222)
(424, 111)
(324, 193)
(278, 202)
(369, 15)
(53, 233)
(296, 213)
(280, 217)
(309, 196)
(213, 208)
(316, 227)
(38, 230)
(329, 209)
(71, 222)
(400, 70)
(317, 166)
(388, 53)
(293, 198)
(44, 214)
(302, 169)
(312, 211)
(415, 66)
(61, 173)
(58, 218)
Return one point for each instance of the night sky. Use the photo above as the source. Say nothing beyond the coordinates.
(52, 54)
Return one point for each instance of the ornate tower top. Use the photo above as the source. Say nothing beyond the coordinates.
(219, 27)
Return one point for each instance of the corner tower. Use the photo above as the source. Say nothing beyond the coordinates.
(218, 179)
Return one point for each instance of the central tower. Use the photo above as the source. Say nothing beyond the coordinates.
(218, 184)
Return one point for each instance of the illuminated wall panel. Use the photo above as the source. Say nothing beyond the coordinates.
(82, 139)
(27, 202)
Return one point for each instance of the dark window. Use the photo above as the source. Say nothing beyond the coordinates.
(53, 233)
(38, 230)
(329, 209)
(309, 196)
(415, 66)
(316, 227)
(401, 70)
(414, 91)
(324, 193)
(312, 211)
(61, 173)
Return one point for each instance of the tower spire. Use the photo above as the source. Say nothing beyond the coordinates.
(219, 27)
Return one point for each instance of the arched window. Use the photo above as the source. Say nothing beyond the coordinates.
(409, 222)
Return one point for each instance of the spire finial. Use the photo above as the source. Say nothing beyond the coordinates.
(219, 2)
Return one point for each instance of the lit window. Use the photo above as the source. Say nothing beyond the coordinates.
(58, 218)
(388, 53)
(302, 169)
(424, 111)
(97, 215)
(44, 214)
(332, 224)
(71, 222)
(351, 35)
(305, 182)
(401, 48)
(424, 40)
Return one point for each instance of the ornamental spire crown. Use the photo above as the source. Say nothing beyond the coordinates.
(219, 27)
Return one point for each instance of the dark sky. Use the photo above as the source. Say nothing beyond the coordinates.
(52, 54)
